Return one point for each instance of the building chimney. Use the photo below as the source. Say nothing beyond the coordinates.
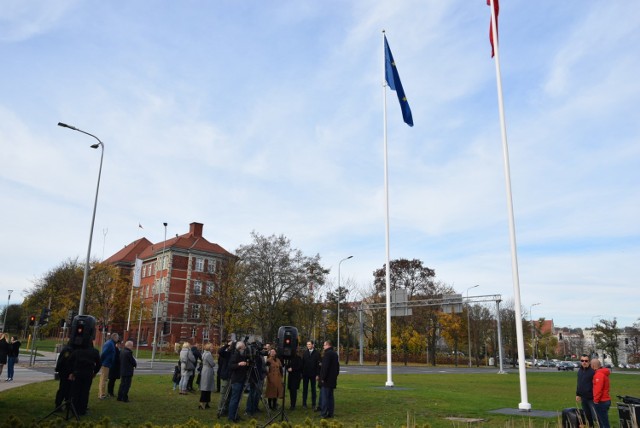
(195, 229)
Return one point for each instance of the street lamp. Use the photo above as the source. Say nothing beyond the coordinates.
(469, 324)
(155, 328)
(593, 337)
(532, 333)
(4, 323)
(93, 218)
(339, 263)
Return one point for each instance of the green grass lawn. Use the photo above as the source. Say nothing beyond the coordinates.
(360, 399)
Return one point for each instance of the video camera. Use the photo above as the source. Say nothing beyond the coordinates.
(255, 349)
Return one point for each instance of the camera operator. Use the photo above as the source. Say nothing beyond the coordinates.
(238, 367)
(256, 378)
(224, 355)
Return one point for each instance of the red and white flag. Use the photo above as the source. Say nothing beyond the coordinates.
(496, 7)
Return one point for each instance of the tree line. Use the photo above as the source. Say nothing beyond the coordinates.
(270, 283)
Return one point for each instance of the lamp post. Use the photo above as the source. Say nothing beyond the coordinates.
(469, 323)
(533, 357)
(155, 328)
(339, 263)
(4, 323)
(93, 218)
(593, 337)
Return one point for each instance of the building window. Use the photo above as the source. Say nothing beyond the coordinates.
(209, 289)
(194, 331)
(205, 335)
(211, 266)
(199, 264)
(197, 288)
(195, 311)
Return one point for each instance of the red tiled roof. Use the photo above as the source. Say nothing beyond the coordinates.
(129, 252)
(145, 249)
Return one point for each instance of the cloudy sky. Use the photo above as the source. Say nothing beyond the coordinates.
(268, 117)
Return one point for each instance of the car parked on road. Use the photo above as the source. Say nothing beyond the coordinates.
(565, 366)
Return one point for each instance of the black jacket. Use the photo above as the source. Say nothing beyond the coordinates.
(85, 362)
(330, 369)
(295, 375)
(127, 362)
(224, 355)
(238, 374)
(63, 367)
(584, 389)
(310, 363)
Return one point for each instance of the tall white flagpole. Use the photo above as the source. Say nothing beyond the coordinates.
(524, 403)
(386, 205)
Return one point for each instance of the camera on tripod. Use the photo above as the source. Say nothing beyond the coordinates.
(255, 349)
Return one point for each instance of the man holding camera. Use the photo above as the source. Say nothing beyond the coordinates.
(238, 367)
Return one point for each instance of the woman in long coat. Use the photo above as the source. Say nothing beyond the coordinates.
(207, 377)
(275, 386)
(187, 366)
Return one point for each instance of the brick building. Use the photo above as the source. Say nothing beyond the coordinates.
(185, 286)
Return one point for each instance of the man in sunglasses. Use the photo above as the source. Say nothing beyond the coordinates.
(584, 389)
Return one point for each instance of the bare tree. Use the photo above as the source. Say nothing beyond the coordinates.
(274, 274)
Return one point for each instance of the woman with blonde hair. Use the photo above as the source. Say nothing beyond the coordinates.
(187, 366)
(275, 386)
(207, 377)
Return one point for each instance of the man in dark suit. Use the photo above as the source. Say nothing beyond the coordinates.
(85, 364)
(328, 379)
(310, 371)
(127, 365)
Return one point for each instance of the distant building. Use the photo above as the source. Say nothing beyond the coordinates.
(185, 286)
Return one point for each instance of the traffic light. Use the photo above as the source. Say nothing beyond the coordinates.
(560, 336)
(32, 320)
(71, 314)
(44, 316)
(165, 327)
(626, 340)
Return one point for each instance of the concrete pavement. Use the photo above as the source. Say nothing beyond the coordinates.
(22, 376)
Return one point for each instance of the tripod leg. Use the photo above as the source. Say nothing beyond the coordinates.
(223, 405)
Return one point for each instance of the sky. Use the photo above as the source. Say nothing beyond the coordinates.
(268, 117)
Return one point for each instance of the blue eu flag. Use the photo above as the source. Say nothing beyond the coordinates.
(393, 80)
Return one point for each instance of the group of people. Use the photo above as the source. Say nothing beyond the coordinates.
(77, 365)
(262, 372)
(311, 368)
(9, 352)
(592, 391)
(184, 373)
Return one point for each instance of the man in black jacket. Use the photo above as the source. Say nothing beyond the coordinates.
(63, 368)
(238, 368)
(127, 365)
(224, 355)
(85, 364)
(584, 388)
(310, 371)
(329, 372)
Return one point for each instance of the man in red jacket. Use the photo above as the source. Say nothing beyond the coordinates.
(601, 397)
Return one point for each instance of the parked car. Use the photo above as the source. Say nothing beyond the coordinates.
(565, 366)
